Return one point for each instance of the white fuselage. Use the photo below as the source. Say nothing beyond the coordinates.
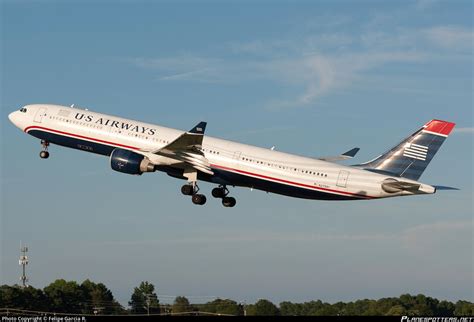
(251, 166)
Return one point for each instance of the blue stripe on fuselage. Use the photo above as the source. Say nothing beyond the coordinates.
(220, 176)
(236, 179)
(74, 143)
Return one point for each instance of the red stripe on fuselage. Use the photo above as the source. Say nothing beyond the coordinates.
(292, 182)
(81, 136)
(213, 165)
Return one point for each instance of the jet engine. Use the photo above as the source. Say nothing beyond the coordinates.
(130, 162)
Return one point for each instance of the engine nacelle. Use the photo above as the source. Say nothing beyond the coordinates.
(127, 161)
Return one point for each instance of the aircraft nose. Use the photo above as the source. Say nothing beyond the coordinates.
(13, 117)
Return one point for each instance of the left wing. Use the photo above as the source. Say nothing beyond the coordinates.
(346, 155)
(187, 148)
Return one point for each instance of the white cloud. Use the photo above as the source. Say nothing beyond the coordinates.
(451, 37)
(259, 47)
(321, 74)
(425, 4)
(411, 237)
(251, 237)
(317, 74)
(181, 62)
(434, 236)
(182, 68)
(322, 77)
(200, 74)
(437, 227)
(317, 64)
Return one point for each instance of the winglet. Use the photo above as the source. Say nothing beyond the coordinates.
(351, 153)
(199, 129)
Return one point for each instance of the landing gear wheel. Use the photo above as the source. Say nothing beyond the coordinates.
(187, 190)
(228, 201)
(44, 154)
(220, 192)
(199, 199)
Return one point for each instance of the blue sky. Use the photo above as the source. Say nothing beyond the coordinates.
(313, 78)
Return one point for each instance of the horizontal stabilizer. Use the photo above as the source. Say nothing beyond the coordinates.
(351, 153)
(346, 155)
(445, 188)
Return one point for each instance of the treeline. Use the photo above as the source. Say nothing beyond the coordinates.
(95, 298)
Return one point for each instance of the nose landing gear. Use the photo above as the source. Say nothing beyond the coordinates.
(44, 154)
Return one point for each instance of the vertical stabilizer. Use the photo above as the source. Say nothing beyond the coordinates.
(410, 157)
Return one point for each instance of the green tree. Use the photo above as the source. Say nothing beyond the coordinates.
(327, 309)
(180, 305)
(407, 301)
(144, 298)
(445, 308)
(263, 308)
(65, 297)
(312, 308)
(98, 298)
(24, 298)
(425, 305)
(372, 308)
(397, 310)
(384, 305)
(464, 308)
(223, 306)
(290, 309)
(11, 296)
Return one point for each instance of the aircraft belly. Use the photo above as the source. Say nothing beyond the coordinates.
(281, 185)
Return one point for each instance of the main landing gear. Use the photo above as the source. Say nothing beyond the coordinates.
(192, 190)
(44, 154)
(222, 192)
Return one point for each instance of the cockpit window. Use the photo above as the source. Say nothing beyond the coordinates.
(23, 110)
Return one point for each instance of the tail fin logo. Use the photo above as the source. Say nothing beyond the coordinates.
(415, 151)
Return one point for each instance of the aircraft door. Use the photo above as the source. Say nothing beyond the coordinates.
(342, 179)
(236, 158)
(40, 114)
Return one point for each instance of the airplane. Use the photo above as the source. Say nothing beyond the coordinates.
(135, 148)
